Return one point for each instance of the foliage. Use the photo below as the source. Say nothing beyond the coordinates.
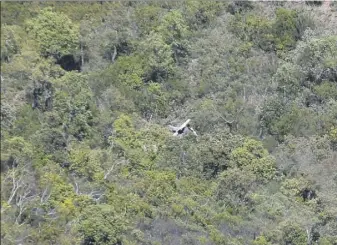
(279, 34)
(55, 33)
(148, 17)
(235, 187)
(18, 149)
(253, 157)
(9, 42)
(101, 224)
(158, 56)
(132, 72)
(202, 13)
(88, 91)
(317, 58)
(86, 162)
(254, 28)
(74, 104)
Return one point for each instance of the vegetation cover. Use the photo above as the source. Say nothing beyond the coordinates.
(88, 90)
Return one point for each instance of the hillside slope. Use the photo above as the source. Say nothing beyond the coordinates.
(88, 91)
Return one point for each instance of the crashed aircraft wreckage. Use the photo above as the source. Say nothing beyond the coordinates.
(183, 129)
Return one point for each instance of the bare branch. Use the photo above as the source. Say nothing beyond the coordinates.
(45, 195)
(114, 55)
(112, 168)
(16, 185)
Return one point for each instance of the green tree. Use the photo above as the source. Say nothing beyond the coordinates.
(317, 58)
(73, 100)
(153, 100)
(101, 224)
(147, 17)
(158, 57)
(255, 29)
(261, 240)
(326, 91)
(174, 30)
(142, 147)
(200, 14)
(285, 28)
(130, 71)
(289, 27)
(253, 157)
(18, 149)
(157, 187)
(289, 79)
(293, 234)
(55, 33)
(86, 162)
(7, 115)
(10, 42)
(235, 187)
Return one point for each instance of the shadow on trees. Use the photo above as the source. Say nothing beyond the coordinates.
(69, 63)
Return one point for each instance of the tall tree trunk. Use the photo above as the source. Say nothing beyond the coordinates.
(82, 56)
(113, 56)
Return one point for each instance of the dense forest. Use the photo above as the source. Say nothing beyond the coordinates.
(88, 90)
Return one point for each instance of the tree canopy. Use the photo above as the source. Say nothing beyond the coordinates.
(88, 90)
